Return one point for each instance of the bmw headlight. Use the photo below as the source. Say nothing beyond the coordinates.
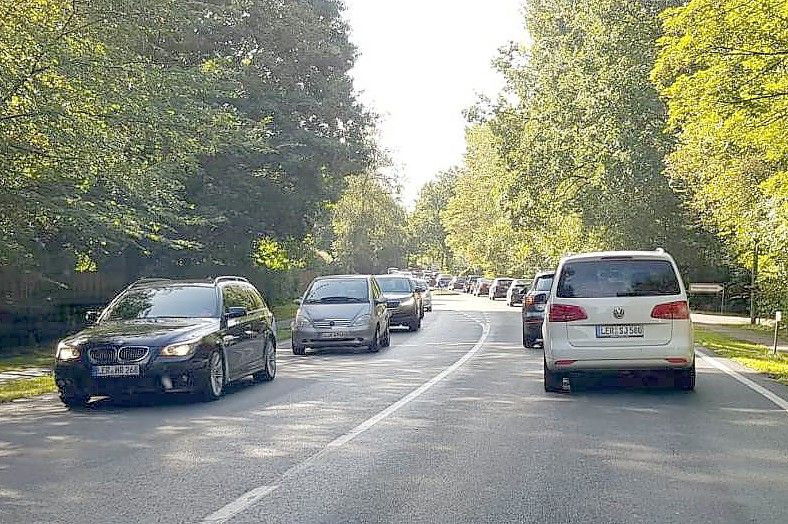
(362, 320)
(181, 349)
(66, 352)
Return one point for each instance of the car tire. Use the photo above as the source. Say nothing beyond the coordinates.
(553, 382)
(268, 373)
(386, 341)
(374, 346)
(214, 380)
(414, 325)
(527, 343)
(75, 400)
(685, 379)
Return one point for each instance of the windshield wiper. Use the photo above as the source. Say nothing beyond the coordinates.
(336, 299)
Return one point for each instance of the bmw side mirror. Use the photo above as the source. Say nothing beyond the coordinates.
(91, 317)
(236, 312)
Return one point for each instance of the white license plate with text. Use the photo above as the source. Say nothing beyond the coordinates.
(620, 331)
(121, 370)
(334, 334)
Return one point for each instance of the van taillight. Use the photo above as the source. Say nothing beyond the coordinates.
(678, 310)
(566, 313)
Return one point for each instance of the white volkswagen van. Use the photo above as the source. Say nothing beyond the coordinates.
(618, 311)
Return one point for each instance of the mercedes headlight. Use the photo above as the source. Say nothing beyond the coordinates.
(66, 352)
(302, 322)
(363, 320)
(181, 349)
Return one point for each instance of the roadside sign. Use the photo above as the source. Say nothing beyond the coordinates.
(778, 316)
(709, 288)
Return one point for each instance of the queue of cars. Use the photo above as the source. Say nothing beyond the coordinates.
(598, 313)
(197, 336)
(604, 313)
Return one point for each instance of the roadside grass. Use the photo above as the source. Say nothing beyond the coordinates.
(763, 329)
(282, 334)
(753, 356)
(284, 311)
(26, 387)
(37, 357)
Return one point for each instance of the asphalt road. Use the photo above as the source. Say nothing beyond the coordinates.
(450, 424)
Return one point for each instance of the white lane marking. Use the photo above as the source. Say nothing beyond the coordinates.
(239, 504)
(253, 496)
(781, 402)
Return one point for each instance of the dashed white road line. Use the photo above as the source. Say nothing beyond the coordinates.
(719, 364)
(253, 496)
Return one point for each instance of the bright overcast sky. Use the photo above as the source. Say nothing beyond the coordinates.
(422, 62)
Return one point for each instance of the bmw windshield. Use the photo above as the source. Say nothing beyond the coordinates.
(165, 302)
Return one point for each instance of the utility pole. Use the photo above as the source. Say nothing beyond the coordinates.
(753, 282)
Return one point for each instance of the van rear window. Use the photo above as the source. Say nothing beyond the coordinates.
(617, 278)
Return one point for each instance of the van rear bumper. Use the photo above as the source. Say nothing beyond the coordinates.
(614, 365)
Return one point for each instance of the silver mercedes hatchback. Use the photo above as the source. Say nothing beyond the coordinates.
(341, 311)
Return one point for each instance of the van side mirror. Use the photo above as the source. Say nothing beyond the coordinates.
(91, 317)
(297, 301)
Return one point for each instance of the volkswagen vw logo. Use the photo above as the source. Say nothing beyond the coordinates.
(618, 312)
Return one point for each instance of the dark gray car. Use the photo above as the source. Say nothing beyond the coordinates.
(403, 293)
(342, 311)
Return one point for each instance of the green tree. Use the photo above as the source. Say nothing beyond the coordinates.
(369, 227)
(722, 70)
(425, 229)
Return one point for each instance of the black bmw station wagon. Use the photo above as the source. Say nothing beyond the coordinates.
(161, 335)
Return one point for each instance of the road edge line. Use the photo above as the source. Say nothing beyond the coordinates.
(769, 395)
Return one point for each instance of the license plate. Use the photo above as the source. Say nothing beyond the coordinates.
(334, 334)
(122, 370)
(620, 331)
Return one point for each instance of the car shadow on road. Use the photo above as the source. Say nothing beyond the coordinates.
(641, 384)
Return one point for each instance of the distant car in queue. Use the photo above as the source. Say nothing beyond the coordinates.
(533, 309)
(515, 293)
(457, 283)
(405, 301)
(470, 282)
(169, 336)
(499, 287)
(442, 281)
(341, 311)
(426, 295)
(482, 287)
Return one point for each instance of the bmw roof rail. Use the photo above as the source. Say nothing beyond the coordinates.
(229, 278)
(152, 279)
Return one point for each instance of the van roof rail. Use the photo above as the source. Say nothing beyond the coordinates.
(229, 278)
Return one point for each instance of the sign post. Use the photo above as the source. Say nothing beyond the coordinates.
(778, 316)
